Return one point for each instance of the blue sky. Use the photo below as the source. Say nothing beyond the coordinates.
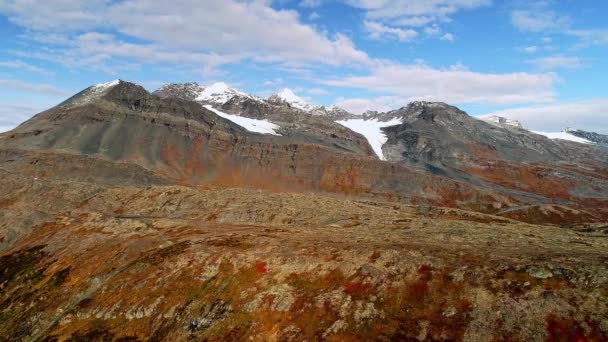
(542, 62)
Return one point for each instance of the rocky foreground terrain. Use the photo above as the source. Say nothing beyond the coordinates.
(130, 216)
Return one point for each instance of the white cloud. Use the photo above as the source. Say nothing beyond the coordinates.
(432, 30)
(311, 3)
(538, 20)
(590, 37)
(413, 21)
(556, 62)
(448, 37)
(209, 31)
(538, 16)
(591, 115)
(36, 88)
(531, 49)
(314, 16)
(55, 15)
(23, 66)
(379, 31)
(455, 85)
(12, 115)
(414, 12)
(317, 91)
(252, 28)
(273, 82)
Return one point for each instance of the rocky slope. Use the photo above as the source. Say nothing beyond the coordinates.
(446, 141)
(183, 142)
(296, 119)
(170, 263)
(132, 216)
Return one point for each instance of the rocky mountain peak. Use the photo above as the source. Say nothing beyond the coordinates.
(502, 121)
(417, 110)
(215, 94)
(186, 91)
(289, 97)
(109, 90)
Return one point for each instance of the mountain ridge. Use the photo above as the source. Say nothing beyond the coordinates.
(173, 134)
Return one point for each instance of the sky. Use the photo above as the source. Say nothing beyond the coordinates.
(542, 62)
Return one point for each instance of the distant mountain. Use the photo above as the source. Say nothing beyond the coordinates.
(214, 94)
(120, 134)
(214, 134)
(499, 154)
(502, 121)
(600, 139)
(292, 116)
(288, 97)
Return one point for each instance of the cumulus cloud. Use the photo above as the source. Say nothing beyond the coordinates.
(12, 115)
(538, 16)
(55, 15)
(205, 30)
(311, 3)
(314, 16)
(556, 62)
(591, 115)
(538, 20)
(414, 12)
(448, 37)
(590, 37)
(456, 85)
(379, 31)
(31, 87)
(23, 66)
(317, 91)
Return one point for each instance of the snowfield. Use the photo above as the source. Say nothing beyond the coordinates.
(372, 131)
(252, 125)
(564, 136)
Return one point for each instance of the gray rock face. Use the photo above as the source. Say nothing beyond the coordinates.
(441, 135)
(315, 126)
(510, 172)
(184, 91)
(503, 122)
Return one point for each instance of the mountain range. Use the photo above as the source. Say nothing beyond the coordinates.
(203, 212)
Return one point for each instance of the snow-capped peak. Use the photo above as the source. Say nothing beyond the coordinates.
(287, 95)
(219, 93)
(216, 89)
(104, 86)
(501, 121)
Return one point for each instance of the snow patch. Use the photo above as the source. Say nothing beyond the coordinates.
(220, 93)
(252, 125)
(104, 86)
(564, 136)
(372, 131)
